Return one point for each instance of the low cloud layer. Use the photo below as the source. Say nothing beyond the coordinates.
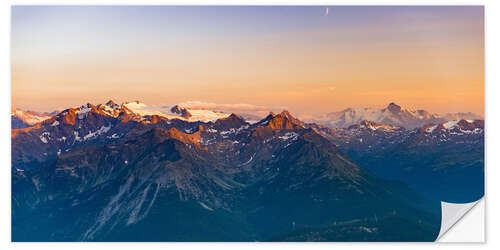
(248, 110)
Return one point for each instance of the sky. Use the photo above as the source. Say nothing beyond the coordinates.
(305, 59)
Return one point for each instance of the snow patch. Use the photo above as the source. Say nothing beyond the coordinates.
(111, 110)
(92, 135)
(83, 111)
(77, 138)
(29, 117)
(206, 115)
(430, 129)
(450, 124)
(289, 135)
(230, 131)
(114, 136)
(205, 206)
(44, 137)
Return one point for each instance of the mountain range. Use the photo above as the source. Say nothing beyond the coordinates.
(444, 161)
(130, 172)
(392, 114)
(24, 119)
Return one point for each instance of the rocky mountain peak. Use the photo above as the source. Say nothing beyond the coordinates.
(112, 104)
(183, 112)
(471, 124)
(285, 120)
(393, 107)
(266, 119)
(233, 121)
(285, 113)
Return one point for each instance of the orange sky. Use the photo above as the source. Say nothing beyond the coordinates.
(429, 58)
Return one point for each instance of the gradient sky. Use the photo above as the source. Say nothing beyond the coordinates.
(293, 57)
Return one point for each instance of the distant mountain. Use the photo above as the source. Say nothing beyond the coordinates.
(176, 112)
(445, 161)
(124, 173)
(370, 144)
(393, 114)
(24, 119)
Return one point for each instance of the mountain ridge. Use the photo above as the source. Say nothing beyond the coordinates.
(392, 114)
(129, 189)
(122, 170)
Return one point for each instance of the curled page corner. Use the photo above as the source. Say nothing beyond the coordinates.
(451, 213)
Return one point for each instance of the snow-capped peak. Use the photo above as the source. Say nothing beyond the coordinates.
(206, 115)
(112, 104)
(450, 124)
(29, 117)
(176, 112)
(142, 109)
(392, 114)
(393, 107)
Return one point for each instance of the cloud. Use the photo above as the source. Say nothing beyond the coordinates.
(244, 109)
(218, 106)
